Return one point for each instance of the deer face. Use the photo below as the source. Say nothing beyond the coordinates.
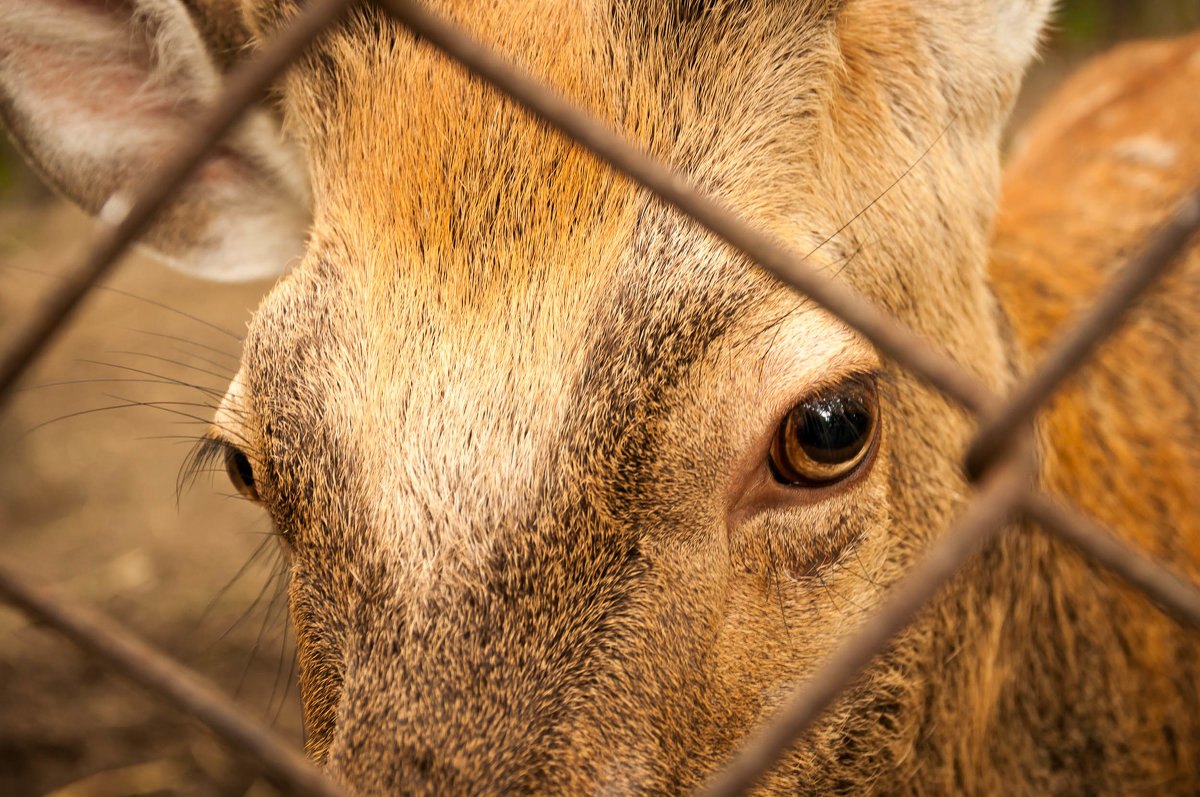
(572, 494)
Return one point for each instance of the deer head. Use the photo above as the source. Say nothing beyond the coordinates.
(572, 495)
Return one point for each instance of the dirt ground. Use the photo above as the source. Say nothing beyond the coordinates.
(88, 506)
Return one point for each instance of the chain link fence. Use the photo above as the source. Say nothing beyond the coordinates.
(999, 460)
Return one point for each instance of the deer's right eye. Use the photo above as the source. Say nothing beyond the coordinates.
(241, 473)
(826, 437)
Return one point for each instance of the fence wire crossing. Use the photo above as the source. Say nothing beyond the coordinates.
(999, 459)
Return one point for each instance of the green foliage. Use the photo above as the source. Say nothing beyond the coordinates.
(6, 171)
(1089, 25)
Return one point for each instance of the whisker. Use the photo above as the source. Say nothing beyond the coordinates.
(262, 630)
(241, 571)
(76, 414)
(283, 646)
(227, 377)
(865, 575)
(180, 350)
(202, 388)
(128, 404)
(801, 303)
(286, 644)
(844, 264)
(166, 406)
(244, 615)
(834, 593)
(99, 381)
(849, 260)
(778, 589)
(179, 338)
(120, 292)
(937, 140)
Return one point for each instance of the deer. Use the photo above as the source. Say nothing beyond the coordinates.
(572, 496)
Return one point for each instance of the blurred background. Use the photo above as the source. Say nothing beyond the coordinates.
(1090, 25)
(89, 502)
(1086, 27)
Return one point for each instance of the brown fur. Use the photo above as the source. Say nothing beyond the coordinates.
(510, 415)
(1098, 171)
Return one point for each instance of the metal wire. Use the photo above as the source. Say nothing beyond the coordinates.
(1003, 471)
(761, 249)
(1085, 336)
(767, 252)
(244, 87)
(130, 656)
(1003, 489)
(1173, 594)
(163, 676)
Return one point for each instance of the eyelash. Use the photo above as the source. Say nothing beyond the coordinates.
(211, 451)
(208, 452)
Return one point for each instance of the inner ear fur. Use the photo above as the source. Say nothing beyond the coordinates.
(98, 94)
(223, 27)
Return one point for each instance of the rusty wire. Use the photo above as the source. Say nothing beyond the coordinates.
(1085, 335)
(1002, 489)
(161, 675)
(126, 218)
(762, 248)
(1182, 599)
(133, 658)
(1174, 595)
(1004, 471)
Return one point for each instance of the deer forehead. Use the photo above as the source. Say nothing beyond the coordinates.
(485, 310)
(426, 409)
(407, 148)
(428, 183)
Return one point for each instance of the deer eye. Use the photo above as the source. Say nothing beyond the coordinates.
(241, 473)
(827, 436)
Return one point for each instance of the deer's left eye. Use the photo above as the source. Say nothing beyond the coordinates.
(241, 473)
(827, 436)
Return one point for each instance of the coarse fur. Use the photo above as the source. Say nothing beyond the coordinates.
(511, 416)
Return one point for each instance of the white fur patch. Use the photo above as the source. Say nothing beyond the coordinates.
(115, 210)
(1018, 28)
(1148, 150)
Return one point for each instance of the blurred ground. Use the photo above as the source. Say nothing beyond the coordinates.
(87, 506)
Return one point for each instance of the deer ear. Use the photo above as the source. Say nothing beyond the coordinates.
(977, 49)
(1007, 32)
(98, 92)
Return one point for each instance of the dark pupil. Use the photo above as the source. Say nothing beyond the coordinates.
(241, 465)
(833, 430)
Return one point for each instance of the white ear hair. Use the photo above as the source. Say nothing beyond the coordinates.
(982, 48)
(98, 94)
(1018, 26)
